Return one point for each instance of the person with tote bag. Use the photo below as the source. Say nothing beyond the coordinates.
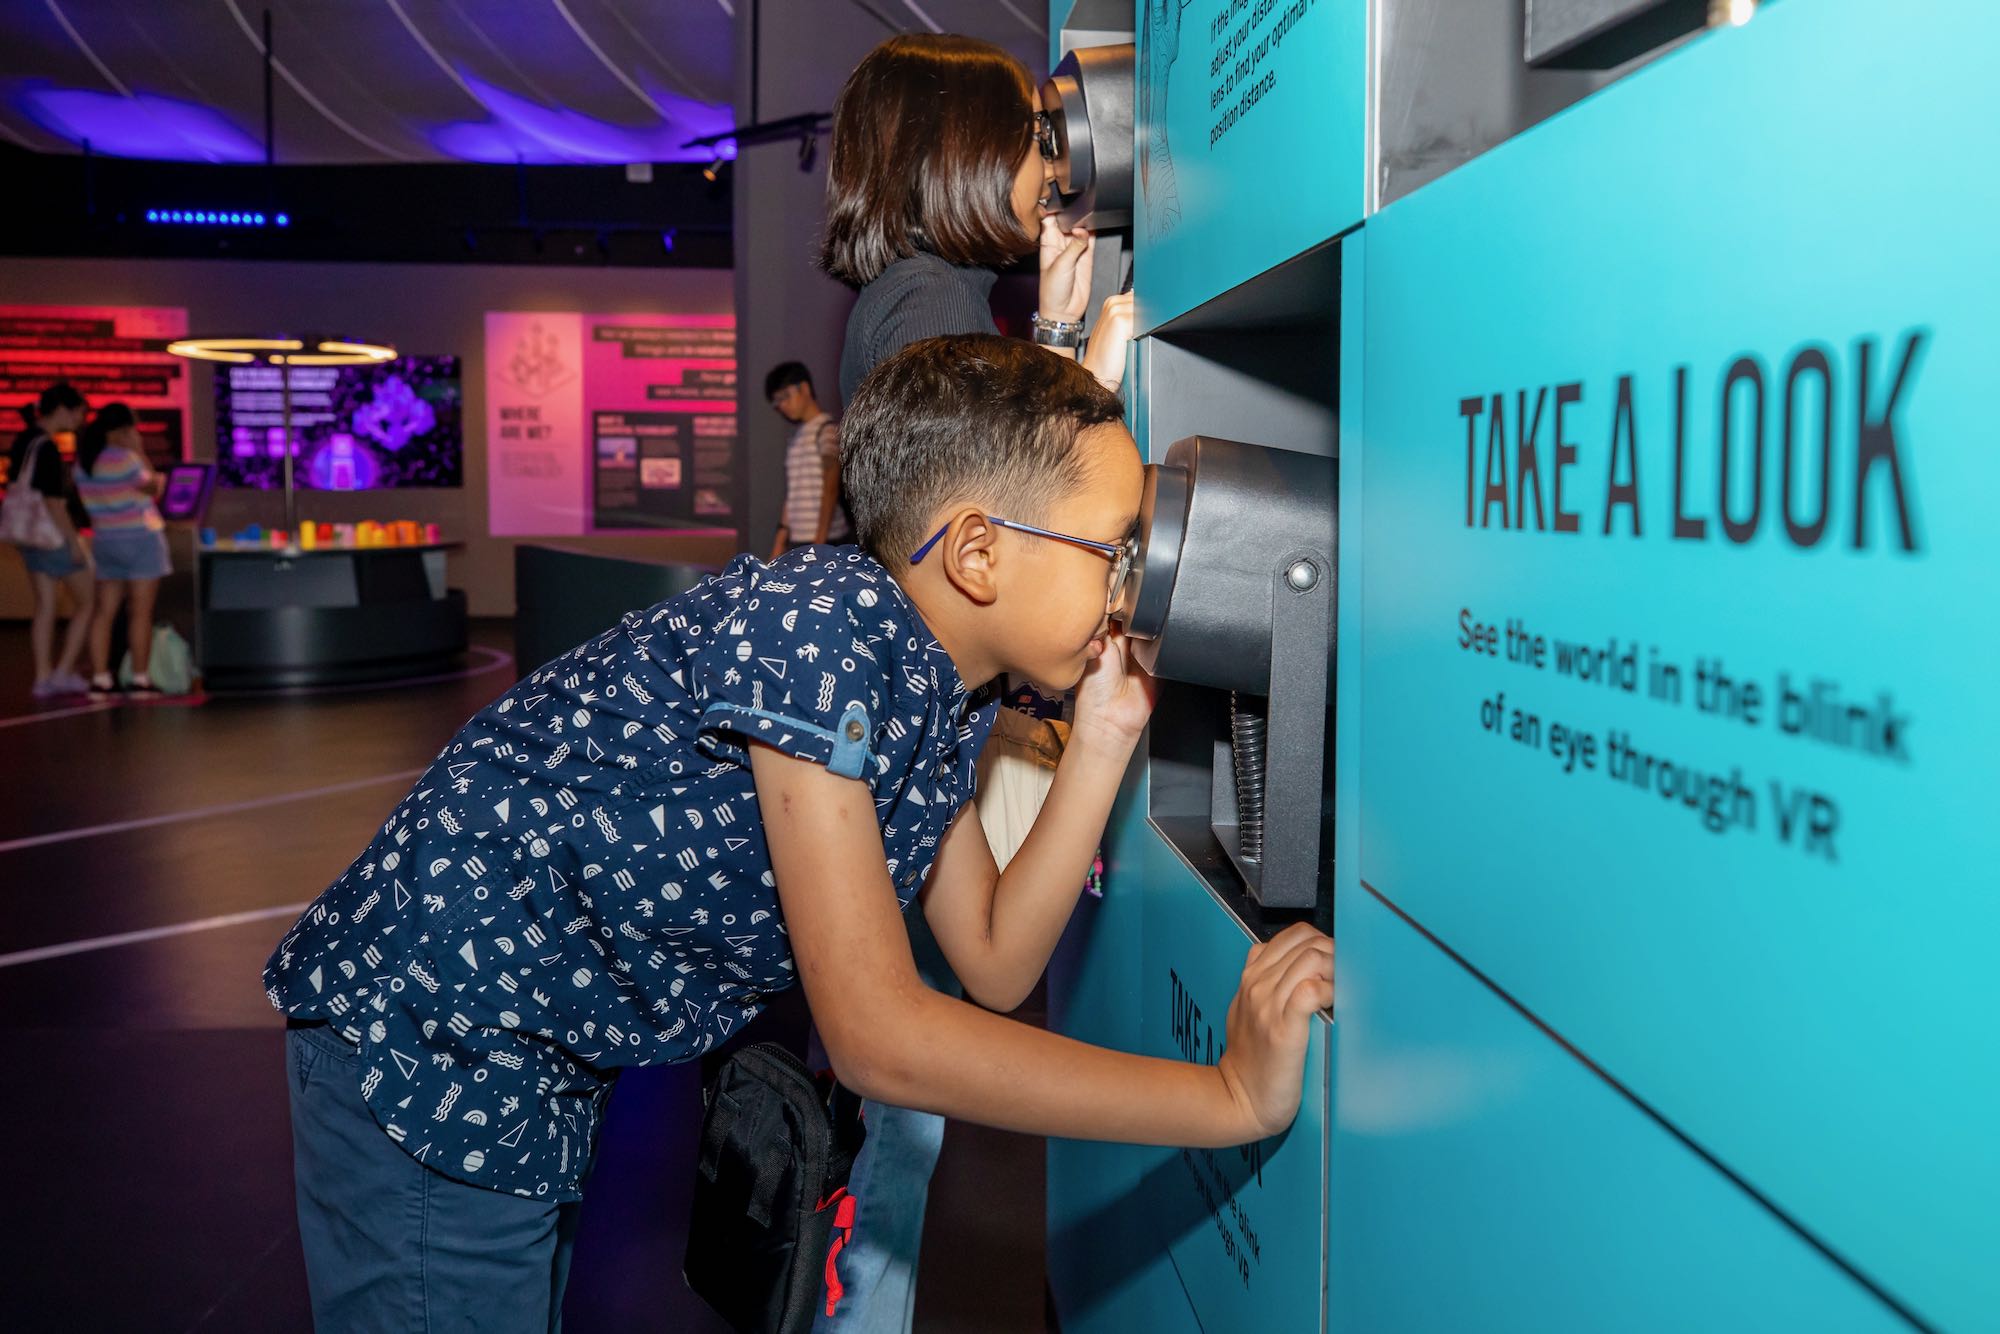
(36, 518)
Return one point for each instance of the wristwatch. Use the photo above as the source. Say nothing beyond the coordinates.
(1057, 333)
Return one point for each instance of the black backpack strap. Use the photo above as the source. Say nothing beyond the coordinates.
(722, 1114)
(767, 1175)
(733, 1127)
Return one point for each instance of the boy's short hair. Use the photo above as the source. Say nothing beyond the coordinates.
(784, 375)
(969, 416)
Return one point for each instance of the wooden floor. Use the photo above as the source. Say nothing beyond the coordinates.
(150, 856)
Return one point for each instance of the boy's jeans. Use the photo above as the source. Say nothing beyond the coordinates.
(891, 1184)
(392, 1246)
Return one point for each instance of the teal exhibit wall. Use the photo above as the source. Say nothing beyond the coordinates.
(1662, 891)
(1250, 138)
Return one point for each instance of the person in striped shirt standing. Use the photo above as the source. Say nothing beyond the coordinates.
(128, 541)
(812, 515)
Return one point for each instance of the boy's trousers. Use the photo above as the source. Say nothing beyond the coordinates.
(392, 1246)
(891, 1185)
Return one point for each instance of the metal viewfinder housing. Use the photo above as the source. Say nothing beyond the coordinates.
(1233, 588)
(1089, 102)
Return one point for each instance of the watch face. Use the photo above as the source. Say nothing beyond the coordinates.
(1057, 333)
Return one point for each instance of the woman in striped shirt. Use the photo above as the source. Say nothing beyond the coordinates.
(128, 541)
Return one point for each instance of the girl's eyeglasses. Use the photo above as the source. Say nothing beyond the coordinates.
(1120, 554)
(1045, 136)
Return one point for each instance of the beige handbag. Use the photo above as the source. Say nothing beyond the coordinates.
(24, 517)
(1016, 769)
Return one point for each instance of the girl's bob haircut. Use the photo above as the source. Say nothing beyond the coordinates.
(928, 133)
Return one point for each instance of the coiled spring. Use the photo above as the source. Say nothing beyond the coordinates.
(1247, 725)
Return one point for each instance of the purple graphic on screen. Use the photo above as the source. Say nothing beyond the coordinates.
(394, 415)
(354, 428)
(342, 465)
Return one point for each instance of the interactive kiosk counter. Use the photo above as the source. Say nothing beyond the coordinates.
(1627, 434)
(335, 614)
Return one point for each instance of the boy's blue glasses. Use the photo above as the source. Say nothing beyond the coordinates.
(1120, 554)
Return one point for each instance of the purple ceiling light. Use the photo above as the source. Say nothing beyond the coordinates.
(519, 129)
(368, 81)
(144, 125)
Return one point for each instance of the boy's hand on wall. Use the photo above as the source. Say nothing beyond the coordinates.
(1115, 697)
(1109, 339)
(1285, 979)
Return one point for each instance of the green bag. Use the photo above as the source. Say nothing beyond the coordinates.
(172, 667)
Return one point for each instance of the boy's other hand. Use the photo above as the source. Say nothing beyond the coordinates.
(1115, 697)
(1065, 265)
(1105, 357)
(1285, 979)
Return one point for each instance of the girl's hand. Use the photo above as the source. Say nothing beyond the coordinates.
(1115, 697)
(1105, 357)
(1066, 262)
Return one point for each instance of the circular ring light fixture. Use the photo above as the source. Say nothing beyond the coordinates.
(284, 351)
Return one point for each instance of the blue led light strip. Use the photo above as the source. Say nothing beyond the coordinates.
(185, 217)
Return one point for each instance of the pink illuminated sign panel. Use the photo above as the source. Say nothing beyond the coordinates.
(610, 423)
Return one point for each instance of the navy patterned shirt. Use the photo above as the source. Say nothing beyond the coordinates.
(580, 881)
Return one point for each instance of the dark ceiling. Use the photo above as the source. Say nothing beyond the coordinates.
(484, 131)
(363, 82)
(369, 81)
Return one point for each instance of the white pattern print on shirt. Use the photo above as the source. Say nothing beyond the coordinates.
(651, 762)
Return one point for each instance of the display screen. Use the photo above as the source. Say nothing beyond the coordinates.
(354, 428)
(185, 495)
(111, 354)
